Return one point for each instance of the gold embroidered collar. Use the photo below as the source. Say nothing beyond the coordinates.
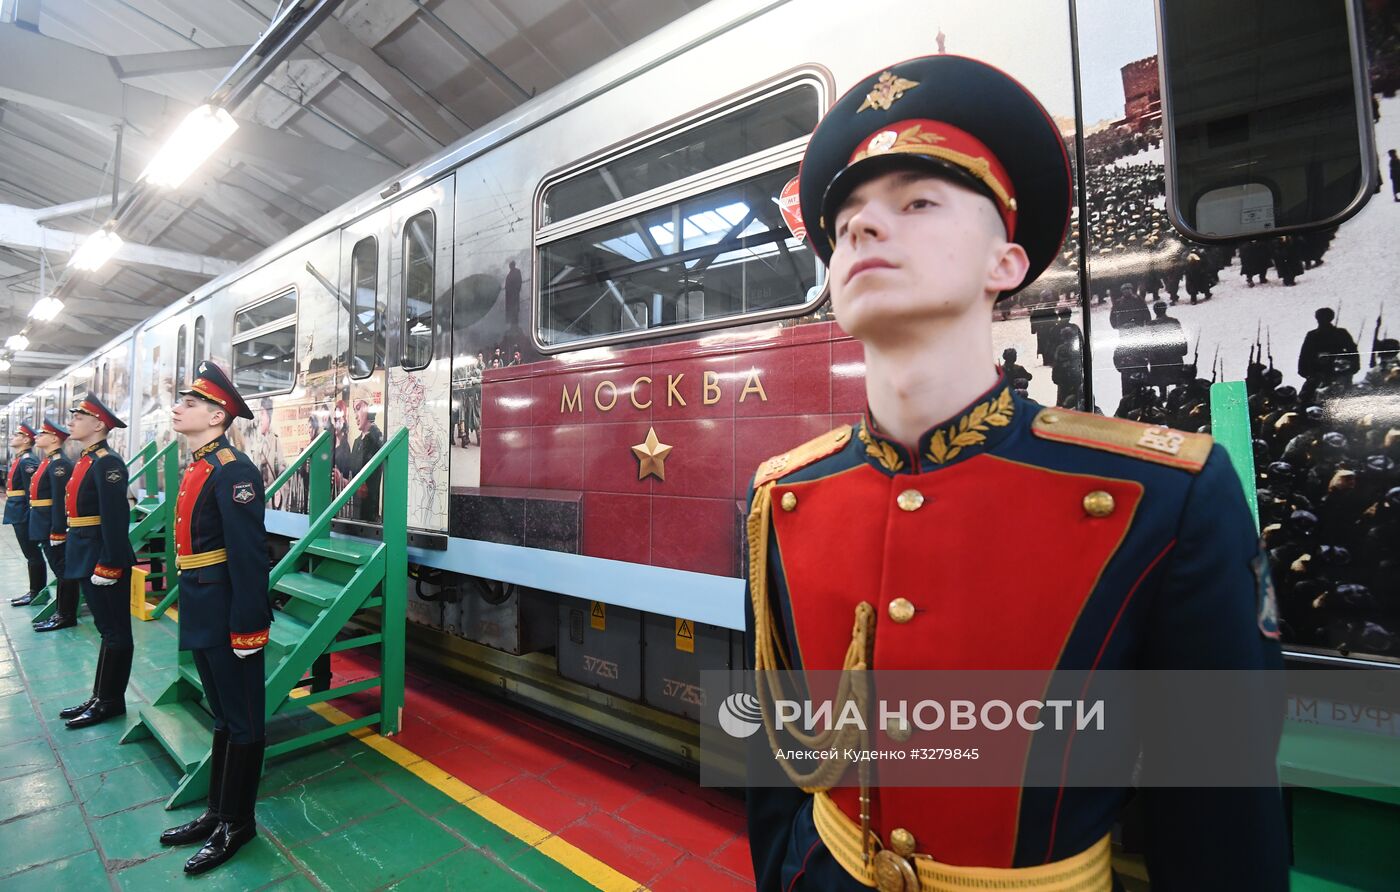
(980, 426)
(94, 447)
(208, 448)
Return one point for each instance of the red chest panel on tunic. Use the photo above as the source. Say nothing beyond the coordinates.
(196, 475)
(38, 476)
(10, 478)
(75, 483)
(998, 562)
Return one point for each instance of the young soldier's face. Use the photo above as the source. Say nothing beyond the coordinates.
(83, 425)
(912, 247)
(192, 415)
(19, 441)
(46, 442)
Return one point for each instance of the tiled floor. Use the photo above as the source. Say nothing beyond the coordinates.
(78, 811)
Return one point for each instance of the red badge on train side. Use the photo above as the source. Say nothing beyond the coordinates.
(790, 203)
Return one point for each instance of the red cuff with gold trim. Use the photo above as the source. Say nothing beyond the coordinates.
(107, 572)
(249, 639)
(58, 537)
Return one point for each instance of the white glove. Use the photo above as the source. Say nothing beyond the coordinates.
(53, 541)
(102, 580)
(245, 652)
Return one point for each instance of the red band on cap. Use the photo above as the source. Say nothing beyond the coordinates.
(97, 412)
(935, 139)
(211, 391)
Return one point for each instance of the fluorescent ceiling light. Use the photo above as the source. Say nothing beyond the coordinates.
(96, 250)
(46, 308)
(203, 130)
(17, 342)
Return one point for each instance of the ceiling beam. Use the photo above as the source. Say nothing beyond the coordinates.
(49, 74)
(178, 61)
(402, 95)
(19, 229)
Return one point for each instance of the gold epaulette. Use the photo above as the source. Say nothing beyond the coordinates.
(225, 456)
(101, 452)
(813, 450)
(1149, 442)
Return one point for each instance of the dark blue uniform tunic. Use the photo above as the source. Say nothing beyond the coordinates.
(221, 544)
(98, 543)
(1020, 537)
(48, 519)
(17, 514)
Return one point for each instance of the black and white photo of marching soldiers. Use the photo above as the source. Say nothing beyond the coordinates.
(1310, 321)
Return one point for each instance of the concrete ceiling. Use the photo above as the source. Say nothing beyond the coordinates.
(378, 87)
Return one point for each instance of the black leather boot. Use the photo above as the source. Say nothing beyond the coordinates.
(236, 825)
(70, 712)
(65, 616)
(37, 580)
(202, 826)
(111, 695)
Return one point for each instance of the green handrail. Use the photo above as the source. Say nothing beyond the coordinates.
(142, 455)
(150, 464)
(319, 518)
(169, 457)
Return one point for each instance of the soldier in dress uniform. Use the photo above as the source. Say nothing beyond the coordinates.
(98, 555)
(17, 510)
(48, 520)
(225, 616)
(933, 189)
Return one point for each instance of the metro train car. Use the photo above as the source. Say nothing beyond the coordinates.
(598, 316)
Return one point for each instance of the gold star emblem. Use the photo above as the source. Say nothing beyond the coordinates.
(651, 456)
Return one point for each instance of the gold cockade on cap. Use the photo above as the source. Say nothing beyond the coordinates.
(886, 92)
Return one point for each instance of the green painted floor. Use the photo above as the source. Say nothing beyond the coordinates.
(77, 811)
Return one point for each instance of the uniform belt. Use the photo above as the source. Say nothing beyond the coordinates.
(1089, 871)
(40, 503)
(201, 559)
(89, 520)
(14, 492)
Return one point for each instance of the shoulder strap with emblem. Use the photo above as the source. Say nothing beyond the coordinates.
(225, 456)
(1149, 442)
(102, 452)
(813, 450)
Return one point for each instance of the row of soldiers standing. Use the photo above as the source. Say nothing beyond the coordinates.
(76, 517)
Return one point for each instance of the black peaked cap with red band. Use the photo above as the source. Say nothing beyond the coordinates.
(53, 427)
(956, 117)
(91, 405)
(210, 383)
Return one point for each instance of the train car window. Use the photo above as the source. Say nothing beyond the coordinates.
(682, 232)
(199, 354)
(719, 255)
(271, 310)
(1267, 112)
(264, 355)
(419, 242)
(719, 139)
(180, 367)
(366, 335)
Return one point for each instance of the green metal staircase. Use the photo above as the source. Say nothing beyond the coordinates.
(323, 583)
(151, 516)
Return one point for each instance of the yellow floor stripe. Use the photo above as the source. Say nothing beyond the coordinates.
(578, 862)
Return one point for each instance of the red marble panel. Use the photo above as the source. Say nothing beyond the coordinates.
(771, 371)
(614, 394)
(847, 376)
(811, 366)
(617, 526)
(554, 401)
(507, 403)
(758, 439)
(701, 462)
(505, 456)
(695, 534)
(556, 462)
(681, 392)
(609, 465)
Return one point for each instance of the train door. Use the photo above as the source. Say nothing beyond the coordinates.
(418, 343)
(357, 413)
